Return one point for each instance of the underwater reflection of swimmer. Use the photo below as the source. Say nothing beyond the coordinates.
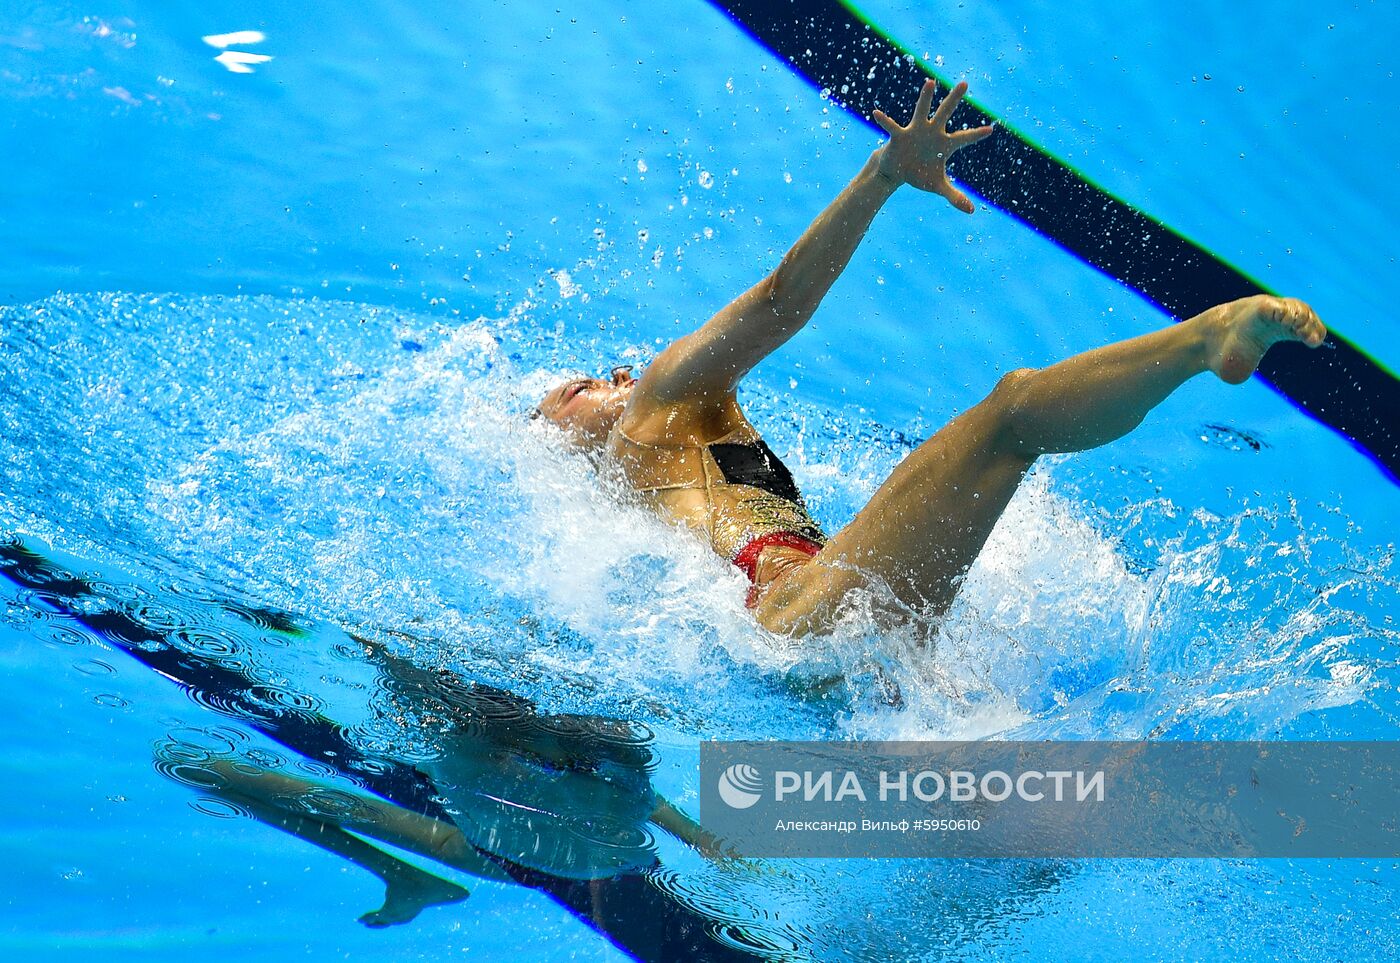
(567, 795)
(213, 647)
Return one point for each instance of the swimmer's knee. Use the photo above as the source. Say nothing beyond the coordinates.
(1011, 388)
(1006, 406)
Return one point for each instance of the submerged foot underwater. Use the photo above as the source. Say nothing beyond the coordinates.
(372, 469)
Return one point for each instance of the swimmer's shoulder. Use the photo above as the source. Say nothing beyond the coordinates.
(649, 421)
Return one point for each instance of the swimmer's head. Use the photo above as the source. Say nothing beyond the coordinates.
(587, 408)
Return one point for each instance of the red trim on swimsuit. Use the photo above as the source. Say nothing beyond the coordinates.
(747, 559)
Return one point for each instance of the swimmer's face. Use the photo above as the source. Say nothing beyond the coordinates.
(587, 408)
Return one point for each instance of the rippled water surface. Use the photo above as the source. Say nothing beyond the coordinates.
(268, 347)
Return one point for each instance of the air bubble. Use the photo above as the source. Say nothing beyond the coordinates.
(219, 808)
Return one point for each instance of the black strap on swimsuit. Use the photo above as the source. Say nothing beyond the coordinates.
(754, 464)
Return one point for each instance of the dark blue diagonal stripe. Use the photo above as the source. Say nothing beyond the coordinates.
(834, 49)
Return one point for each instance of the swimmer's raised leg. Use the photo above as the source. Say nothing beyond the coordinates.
(1101, 395)
(924, 527)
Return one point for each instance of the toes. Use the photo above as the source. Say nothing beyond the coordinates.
(1317, 332)
(1296, 317)
(1305, 323)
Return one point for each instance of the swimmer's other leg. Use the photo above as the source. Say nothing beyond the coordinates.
(925, 525)
(270, 797)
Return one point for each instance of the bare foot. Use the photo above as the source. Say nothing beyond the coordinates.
(408, 893)
(1241, 331)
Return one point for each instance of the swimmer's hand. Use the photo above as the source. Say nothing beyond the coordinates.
(918, 154)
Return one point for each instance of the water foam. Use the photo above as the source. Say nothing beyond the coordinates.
(375, 468)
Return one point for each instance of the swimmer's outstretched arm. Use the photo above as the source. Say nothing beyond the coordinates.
(707, 365)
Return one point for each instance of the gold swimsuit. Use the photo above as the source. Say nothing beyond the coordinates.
(748, 497)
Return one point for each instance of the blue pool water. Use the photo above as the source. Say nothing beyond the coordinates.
(268, 337)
